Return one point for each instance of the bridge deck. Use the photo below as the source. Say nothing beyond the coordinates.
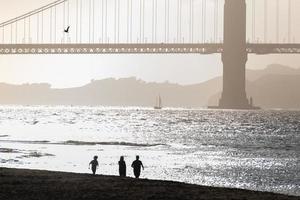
(209, 48)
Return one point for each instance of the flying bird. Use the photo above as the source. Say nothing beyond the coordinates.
(67, 30)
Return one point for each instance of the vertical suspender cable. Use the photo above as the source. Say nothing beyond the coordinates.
(130, 20)
(180, 19)
(106, 28)
(118, 21)
(266, 21)
(16, 32)
(141, 19)
(24, 31)
(153, 19)
(38, 28)
(76, 21)
(178, 3)
(168, 21)
(64, 19)
(68, 19)
(55, 28)
(11, 33)
(80, 21)
(29, 28)
(191, 20)
(277, 21)
(42, 37)
(51, 25)
(203, 21)
(3, 31)
(115, 21)
(216, 25)
(289, 20)
(93, 27)
(90, 20)
(253, 22)
(102, 21)
(166, 12)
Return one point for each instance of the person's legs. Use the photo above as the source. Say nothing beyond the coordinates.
(94, 170)
(137, 173)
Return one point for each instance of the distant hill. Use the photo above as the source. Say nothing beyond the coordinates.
(274, 87)
(253, 75)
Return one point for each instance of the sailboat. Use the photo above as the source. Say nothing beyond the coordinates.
(158, 105)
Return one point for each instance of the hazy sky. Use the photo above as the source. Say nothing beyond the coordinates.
(76, 70)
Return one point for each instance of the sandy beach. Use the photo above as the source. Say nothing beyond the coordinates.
(35, 184)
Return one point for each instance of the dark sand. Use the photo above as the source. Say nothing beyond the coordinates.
(18, 184)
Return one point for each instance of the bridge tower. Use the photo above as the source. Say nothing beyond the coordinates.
(234, 56)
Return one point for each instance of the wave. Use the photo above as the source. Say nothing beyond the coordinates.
(4, 135)
(75, 142)
(72, 142)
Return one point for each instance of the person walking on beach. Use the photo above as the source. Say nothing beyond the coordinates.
(94, 164)
(122, 167)
(136, 165)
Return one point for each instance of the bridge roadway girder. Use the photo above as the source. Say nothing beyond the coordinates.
(142, 48)
(110, 48)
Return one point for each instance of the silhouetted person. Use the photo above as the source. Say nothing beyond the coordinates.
(67, 30)
(94, 164)
(136, 165)
(122, 167)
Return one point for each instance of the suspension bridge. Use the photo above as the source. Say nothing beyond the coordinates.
(229, 27)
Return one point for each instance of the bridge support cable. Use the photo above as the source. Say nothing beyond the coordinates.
(266, 21)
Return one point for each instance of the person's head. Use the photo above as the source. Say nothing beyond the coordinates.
(122, 158)
(95, 157)
(137, 157)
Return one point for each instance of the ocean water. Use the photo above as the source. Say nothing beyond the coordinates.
(257, 150)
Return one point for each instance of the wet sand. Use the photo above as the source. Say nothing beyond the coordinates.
(18, 184)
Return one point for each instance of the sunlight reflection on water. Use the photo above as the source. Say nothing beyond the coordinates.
(256, 150)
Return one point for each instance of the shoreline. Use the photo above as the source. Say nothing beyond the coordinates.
(39, 184)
